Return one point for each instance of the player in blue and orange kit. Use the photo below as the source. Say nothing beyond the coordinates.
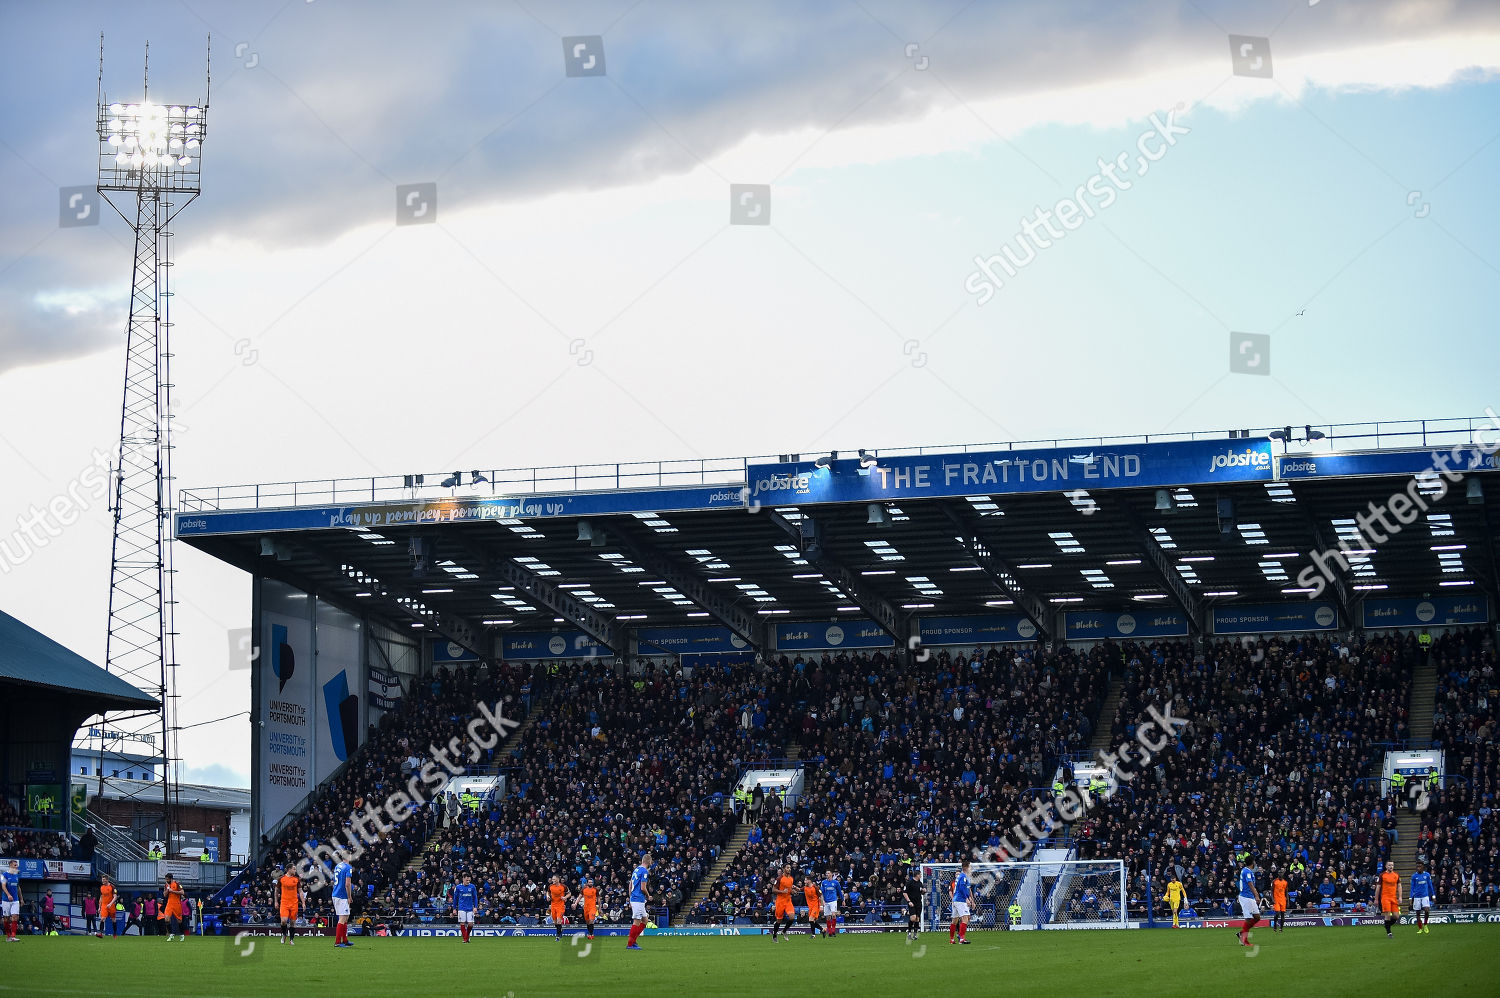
(961, 892)
(343, 876)
(465, 900)
(1423, 894)
(830, 890)
(10, 898)
(1249, 902)
(640, 894)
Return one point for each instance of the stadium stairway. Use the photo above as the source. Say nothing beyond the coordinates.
(1103, 730)
(1419, 730)
(727, 855)
(1422, 706)
(731, 850)
(505, 749)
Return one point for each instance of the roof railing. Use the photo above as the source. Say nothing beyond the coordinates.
(480, 483)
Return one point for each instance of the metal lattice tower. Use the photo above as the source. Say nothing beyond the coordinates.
(149, 170)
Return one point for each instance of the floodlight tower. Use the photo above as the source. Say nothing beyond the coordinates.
(150, 168)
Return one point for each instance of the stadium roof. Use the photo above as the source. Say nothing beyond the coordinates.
(30, 658)
(891, 558)
(188, 794)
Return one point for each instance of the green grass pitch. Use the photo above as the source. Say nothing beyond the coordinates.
(1452, 960)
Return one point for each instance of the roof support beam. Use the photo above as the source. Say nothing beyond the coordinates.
(387, 595)
(1491, 542)
(812, 540)
(997, 569)
(750, 626)
(1171, 579)
(603, 629)
(1335, 576)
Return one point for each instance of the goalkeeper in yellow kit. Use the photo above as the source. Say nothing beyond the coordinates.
(1175, 893)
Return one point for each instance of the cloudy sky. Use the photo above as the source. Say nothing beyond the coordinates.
(577, 291)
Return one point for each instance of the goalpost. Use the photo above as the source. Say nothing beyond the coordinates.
(1075, 893)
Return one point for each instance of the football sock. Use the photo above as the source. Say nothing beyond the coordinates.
(952, 928)
(963, 930)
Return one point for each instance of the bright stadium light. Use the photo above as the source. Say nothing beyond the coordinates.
(162, 143)
(148, 180)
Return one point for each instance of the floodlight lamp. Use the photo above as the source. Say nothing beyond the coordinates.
(867, 458)
(451, 481)
(477, 478)
(117, 109)
(1313, 434)
(1278, 434)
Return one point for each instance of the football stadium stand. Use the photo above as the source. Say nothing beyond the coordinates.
(935, 643)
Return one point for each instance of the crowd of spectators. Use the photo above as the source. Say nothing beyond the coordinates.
(621, 763)
(1277, 767)
(909, 763)
(431, 712)
(19, 840)
(926, 761)
(1459, 835)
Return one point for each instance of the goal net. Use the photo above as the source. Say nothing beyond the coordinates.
(1075, 893)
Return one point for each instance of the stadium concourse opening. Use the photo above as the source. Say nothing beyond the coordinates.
(955, 649)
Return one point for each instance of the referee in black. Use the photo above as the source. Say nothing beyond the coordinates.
(913, 894)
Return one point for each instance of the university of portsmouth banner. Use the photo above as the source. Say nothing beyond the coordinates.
(689, 640)
(340, 678)
(991, 629)
(525, 646)
(1270, 618)
(288, 714)
(992, 472)
(820, 635)
(1437, 611)
(1160, 624)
